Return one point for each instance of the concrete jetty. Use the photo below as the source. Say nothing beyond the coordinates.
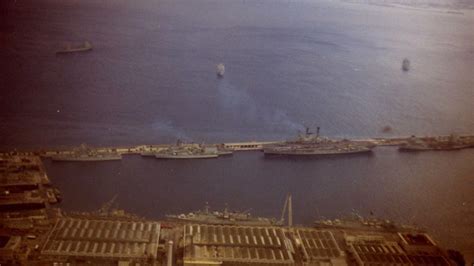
(150, 149)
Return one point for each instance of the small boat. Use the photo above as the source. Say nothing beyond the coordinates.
(406, 64)
(220, 70)
(82, 48)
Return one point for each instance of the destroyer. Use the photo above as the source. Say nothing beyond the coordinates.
(83, 153)
(190, 151)
(313, 144)
(224, 217)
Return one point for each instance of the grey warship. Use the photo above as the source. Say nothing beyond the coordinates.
(83, 153)
(190, 151)
(441, 143)
(313, 144)
(224, 217)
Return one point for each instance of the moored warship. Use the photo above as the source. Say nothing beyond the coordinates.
(190, 151)
(86, 154)
(224, 217)
(443, 143)
(313, 144)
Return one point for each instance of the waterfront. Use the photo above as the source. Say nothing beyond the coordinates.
(432, 189)
(151, 79)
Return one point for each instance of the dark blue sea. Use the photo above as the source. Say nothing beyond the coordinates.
(151, 78)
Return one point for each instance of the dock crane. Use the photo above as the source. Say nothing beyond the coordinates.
(287, 205)
(105, 208)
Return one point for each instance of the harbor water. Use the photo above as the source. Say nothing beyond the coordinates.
(151, 78)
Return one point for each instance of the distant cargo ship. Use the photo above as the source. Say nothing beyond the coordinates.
(436, 143)
(82, 48)
(313, 144)
(222, 218)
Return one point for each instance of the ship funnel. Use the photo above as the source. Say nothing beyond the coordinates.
(317, 131)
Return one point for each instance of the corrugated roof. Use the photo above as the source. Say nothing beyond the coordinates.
(103, 238)
(235, 244)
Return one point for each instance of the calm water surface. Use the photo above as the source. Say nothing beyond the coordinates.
(151, 79)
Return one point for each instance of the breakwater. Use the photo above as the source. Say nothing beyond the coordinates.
(232, 146)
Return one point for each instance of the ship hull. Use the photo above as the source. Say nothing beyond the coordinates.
(314, 152)
(145, 153)
(183, 157)
(76, 50)
(416, 149)
(225, 153)
(223, 222)
(86, 159)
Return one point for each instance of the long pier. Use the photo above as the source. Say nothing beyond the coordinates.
(231, 146)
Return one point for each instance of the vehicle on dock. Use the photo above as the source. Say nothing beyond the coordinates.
(441, 143)
(86, 46)
(224, 217)
(313, 144)
(190, 151)
(83, 153)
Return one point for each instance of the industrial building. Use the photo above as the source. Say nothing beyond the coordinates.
(226, 244)
(108, 241)
(247, 245)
